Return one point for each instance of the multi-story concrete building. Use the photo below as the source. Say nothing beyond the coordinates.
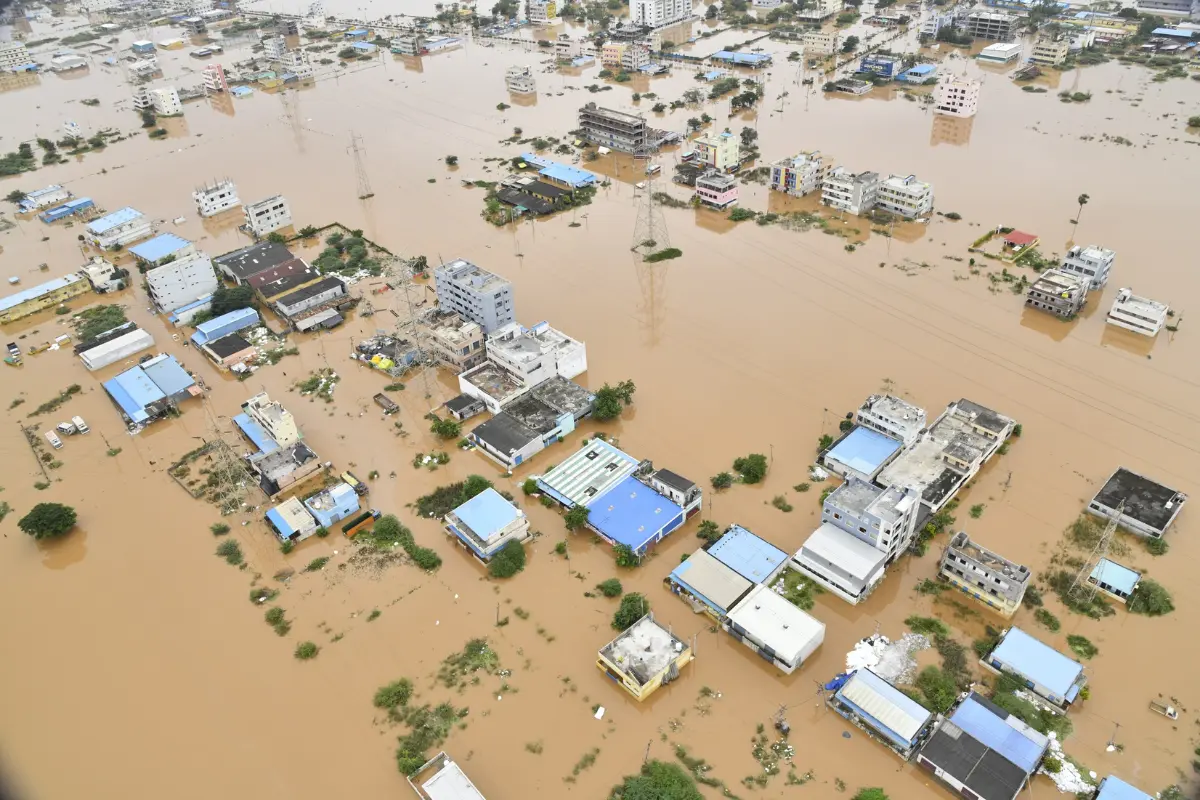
(863, 530)
(274, 47)
(905, 195)
(542, 12)
(44, 295)
(299, 63)
(657, 13)
(118, 228)
(956, 97)
(475, 294)
(267, 215)
(935, 22)
(1050, 50)
(182, 281)
(164, 101)
(988, 577)
(992, 25)
(847, 191)
(214, 80)
(457, 342)
(819, 10)
(1183, 8)
(1092, 262)
(613, 129)
(1060, 293)
(213, 198)
(520, 80)
(800, 174)
(720, 151)
(892, 417)
(14, 57)
(634, 56)
(534, 354)
(1138, 314)
(275, 420)
(717, 190)
(819, 43)
(1139, 504)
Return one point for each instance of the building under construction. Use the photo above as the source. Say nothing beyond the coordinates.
(614, 129)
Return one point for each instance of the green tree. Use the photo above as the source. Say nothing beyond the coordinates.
(473, 485)
(937, 688)
(1129, 12)
(451, 161)
(870, 793)
(657, 780)
(633, 607)
(752, 468)
(625, 556)
(529, 486)
(711, 13)
(1083, 201)
(611, 400)
(722, 480)
(749, 136)
(47, 520)
(396, 693)
(232, 298)
(694, 124)
(1193, 122)
(709, 531)
(1151, 598)
(307, 650)
(659, 108)
(508, 561)
(576, 518)
(275, 237)
(850, 44)
(610, 587)
(445, 428)
(15, 196)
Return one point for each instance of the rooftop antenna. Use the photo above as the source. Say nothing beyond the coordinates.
(1082, 589)
(360, 171)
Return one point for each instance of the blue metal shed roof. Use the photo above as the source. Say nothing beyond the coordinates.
(1113, 574)
(741, 58)
(133, 391)
(14, 300)
(631, 513)
(1113, 788)
(366, 47)
(1017, 746)
(1037, 661)
(113, 220)
(884, 706)
(255, 433)
(486, 513)
(160, 246)
(922, 69)
(568, 175)
(865, 450)
(747, 554)
(168, 375)
(280, 522)
(224, 325)
(1172, 32)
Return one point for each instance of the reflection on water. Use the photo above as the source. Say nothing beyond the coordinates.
(64, 551)
(950, 130)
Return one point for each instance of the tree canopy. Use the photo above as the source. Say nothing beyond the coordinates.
(752, 468)
(634, 606)
(508, 561)
(232, 298)
(657, 780)
(611, 400)
(47, 520)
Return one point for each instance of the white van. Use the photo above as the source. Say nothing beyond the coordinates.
(80, 425)
(653, 169)
(65, 428)
(53, 439)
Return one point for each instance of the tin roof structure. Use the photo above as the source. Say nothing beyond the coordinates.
(1037, 661)
(114, 220)
(747, 554)
(588, 473)
(889, 711)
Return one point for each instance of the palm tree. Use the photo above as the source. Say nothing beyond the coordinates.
(1083, 201)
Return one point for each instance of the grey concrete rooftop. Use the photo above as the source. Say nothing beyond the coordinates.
(563, 395)
(644, 650)
(495, 382)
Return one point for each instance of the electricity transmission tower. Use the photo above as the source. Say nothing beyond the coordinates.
(650, 228)
(360, 170)
(410, 323)
(1082, 589)
(228, 474)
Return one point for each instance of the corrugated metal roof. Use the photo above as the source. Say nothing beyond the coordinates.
(1113, 788)
(1037, 661)
(1007, 735)
(133, 391)
(710, 580)
(168, 375)
(895, 711)
(590, 472)
(115, 219)
(631, 513)
(255, 433)
(865, 450)
(747, 554)
(851, 554)
(33, 292)
(160, 246)
(1119, 577)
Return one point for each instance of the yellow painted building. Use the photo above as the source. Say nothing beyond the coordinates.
(45, 295)
(644, 657)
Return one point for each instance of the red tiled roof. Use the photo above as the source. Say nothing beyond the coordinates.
(1020, 238)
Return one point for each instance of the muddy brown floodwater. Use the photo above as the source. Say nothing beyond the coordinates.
(134, 665)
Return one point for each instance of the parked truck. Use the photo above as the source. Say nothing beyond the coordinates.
(80, 425)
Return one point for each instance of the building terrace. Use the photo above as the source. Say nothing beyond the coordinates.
(1150, 507)
(644, 657)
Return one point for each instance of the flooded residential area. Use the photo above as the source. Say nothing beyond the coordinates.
(601, 400)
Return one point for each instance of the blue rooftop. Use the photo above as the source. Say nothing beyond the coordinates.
(741, 58)
(365, 47)
(14, 300)
(747, 554)
(1023, 748)
(921, 69)
(279, 521)
(633, 514)
(1037, 661)
(133, 391)
(255, 433)
(168, 375)
(159, 247)
(486, 513)
(113, 220)
(1113, 788)
(1172, 32)
(1110, 573)
(174, 318)
(224, 325)
(864, 450)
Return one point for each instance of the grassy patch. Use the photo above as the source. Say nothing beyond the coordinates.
(928, 587)
(306, 651)
(219, 528)
(1046, 618)
(231, 551)
(1096, 608)
(394, 694)
(927, 626)
(780, 502)
(475, 656)
(53, 404)
(1082, 646)
(796, 589)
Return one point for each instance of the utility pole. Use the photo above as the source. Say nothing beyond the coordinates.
(360, 171)
(1081, 588)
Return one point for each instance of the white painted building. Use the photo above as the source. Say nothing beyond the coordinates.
(905, 195)
(535, 354)
(956, 97)
(799, 175)
(117, 349)
(44, 198)
(181, 282)
(778, 631)
(213, 198)
(14, 57)
(820, 10)
(96, 6)
(274, 47)
(519, 80)
(935, 22)
(657, 13)
(892, 417)
(276, 420)
(850, 192)
(1092, 262)
(166, 101)
(1050, 50)
(118, 228)
(1138, 314)
(543, 12)
(299, 63)
(267, 215)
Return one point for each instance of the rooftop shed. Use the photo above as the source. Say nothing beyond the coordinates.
(155, 250)
(116, 219)
(1114, 579)
(224, 325)
(861, 453)
(634, 515)
(1046, 671)
(747, 554)
(707, 584)
(883, 710)
(114, 350)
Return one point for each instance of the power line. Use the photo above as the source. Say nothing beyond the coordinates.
(360, 170)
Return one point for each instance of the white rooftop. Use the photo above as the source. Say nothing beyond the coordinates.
(1131, 303)
(853, 555)
(774, 621)
(451, 783)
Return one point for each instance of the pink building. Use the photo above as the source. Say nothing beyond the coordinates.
(717, 190)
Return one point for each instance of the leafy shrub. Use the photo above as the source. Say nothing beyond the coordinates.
(610, 587)
(508, 561)
(633, 607)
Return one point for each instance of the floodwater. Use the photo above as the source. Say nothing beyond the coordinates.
(132, 648)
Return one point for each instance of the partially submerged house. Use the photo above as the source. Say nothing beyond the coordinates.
(981, 751)
(1115, 580)
(634, 515)
(291, 521)
(644, 657)
(1046, 672)
(860, 453)
(151, 389)
(770, 625)
(707, 585)
(892, 417)
(243, 264)
(440, 778)
(332, 505)
(118, 228)
(1150, 507)
(224, 325)
(114, 345)
(587, 473)
(1113, 788)
(882, 711)
(486, 523)
(985, 575)
(749, 555)
(283, 466)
